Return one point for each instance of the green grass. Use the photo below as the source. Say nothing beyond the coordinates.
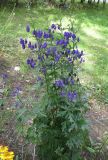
(92, 28)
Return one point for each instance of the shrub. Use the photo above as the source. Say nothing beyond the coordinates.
(59, 127)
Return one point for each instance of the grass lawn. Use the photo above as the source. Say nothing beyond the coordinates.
(91, 26)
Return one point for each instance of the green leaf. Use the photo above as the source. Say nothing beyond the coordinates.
(91, 150)
(1, 102)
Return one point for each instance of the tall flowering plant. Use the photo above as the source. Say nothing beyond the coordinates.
(58, 126)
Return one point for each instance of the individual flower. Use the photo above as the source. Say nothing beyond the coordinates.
(57, 57)
(62, 93)
(39, 33)
(46, 35)
(22, 41)
(5, 154)
(39, 78)
(60, 42)
(44, 45)
(28, 28)
(73, 36)
(82, 60)
(77, 53)
(23, 46)
(25, 41)
(31, 62)
(67, 35)
(35, 45)
(59, 83)
(69, 59)
(48, 52)
(32, 47)
(29, 44)
(58, 27)
(72, 96)
(65, 43)
(68, 51)
(34, 32)
(53, 26)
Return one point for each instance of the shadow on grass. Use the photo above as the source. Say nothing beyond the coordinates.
(4, 63)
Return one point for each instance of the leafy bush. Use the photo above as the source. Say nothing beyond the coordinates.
(59, 127)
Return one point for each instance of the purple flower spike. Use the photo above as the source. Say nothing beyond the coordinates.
(28, 28)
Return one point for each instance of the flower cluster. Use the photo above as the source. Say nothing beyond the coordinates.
(5, 154)
(50, 52)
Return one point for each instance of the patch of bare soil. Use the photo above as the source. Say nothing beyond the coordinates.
(98, 118)
(8, 108)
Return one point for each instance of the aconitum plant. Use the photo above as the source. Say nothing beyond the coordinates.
(58, 127)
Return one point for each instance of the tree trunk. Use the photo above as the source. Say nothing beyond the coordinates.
(98, 1)
(89, 1)
(104, 2)
(16, 3)
(82, 1)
